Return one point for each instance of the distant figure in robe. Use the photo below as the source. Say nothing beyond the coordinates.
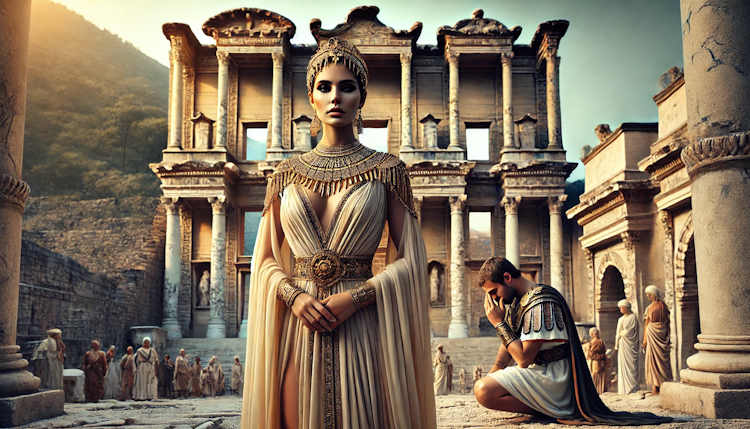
(597, 354)
(195, 377)
(182, 375)
(656, 340)
(236, 380)
(626, 345)
(441, 371)
(48, 359)
(112, 378)
(146, 372)
(94, 367)
(127, 375)
(166, 376)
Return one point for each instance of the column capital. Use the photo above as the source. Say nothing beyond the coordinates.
(506, 58)
(452, 56)
(218, 204)
(708, 151)
(406, 58)
(223, 57)
(14, 190)
(458, 203)
(177, 52)
(278, 58)
(172, 204)
(555, 203)
(510, 204)
(629, 239)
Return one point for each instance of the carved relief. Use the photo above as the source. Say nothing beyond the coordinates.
(710, 150)
(249, 22)
(14, 190)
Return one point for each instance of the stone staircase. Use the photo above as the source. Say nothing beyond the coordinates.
(464, 352)
(225, 349)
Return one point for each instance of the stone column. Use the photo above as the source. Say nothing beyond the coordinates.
(245, 295)
(512, 239)
(507, 60)
(454, 125)
(177, 66)
(14, 44)
(497, 231)
(716, 54)
(665, 220)
(406, 131)
(216, 325)
(553, 98)
(556, 262)
(458, 327)
(222, 97)
(172, 269)
(277, 100)
(418, 208)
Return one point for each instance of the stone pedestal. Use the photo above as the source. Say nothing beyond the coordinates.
(458, 327)
(172, 270)
(512, 240)
(216, 325)
(73, 383)
(556, 262)
(718, 160)
(23, 409)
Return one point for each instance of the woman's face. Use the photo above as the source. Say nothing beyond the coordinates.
(336, 96)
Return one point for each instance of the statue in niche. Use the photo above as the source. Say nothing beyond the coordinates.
(436, 285)
(204, 287)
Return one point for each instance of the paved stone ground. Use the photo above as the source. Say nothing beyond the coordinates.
(454, 411)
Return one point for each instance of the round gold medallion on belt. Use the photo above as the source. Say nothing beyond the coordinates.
(325, 268)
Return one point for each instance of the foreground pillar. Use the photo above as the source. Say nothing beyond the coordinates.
(458, 327)
(556, 262)
(216, 327)
(222, 96)
(507, 64)
(20, 403)
(172, 269)
(406, 142)
(716, 55)
(512, 241)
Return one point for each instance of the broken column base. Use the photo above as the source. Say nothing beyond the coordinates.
(713, 402)
(23, 409)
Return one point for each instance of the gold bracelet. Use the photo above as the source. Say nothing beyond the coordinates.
(363, 294)
(505, 333)
(288, 292)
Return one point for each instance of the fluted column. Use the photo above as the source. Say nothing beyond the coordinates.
(172, 269)
(553, 98)
(222, 97)
(14, 39)
(277, 100)
(556, 263)
(406, 131)
(177, 66)
(418, 208)
(507, 61)
(512, 241)
(458, 327)
(216, 324)
(454, 124)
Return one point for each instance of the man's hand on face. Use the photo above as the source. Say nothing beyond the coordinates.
(495, 312)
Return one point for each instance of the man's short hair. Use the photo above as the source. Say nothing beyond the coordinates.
(493, 269)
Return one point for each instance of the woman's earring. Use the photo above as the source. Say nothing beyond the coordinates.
(315, 124)
(359, 122)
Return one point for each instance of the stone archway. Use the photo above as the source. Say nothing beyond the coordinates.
(686, 313)
(611, 290)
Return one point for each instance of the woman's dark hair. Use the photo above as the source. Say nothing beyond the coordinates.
(494, 268)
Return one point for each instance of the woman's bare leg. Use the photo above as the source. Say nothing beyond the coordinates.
(490, 394)
(290, 397)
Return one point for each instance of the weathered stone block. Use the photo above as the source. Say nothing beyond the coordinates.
(712, 403)
(23, 409)
(73, 380)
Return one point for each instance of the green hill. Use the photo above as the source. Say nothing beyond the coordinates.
(96, 109)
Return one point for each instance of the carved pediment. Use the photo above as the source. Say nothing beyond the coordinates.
(249, 22)
(363, 23)
(478, 26)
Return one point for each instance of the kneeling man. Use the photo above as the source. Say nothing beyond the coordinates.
(537, 331)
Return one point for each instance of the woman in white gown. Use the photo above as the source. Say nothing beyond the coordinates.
(331, 345)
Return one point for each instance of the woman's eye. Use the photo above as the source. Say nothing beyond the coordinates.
(324, 87)
(348, 88)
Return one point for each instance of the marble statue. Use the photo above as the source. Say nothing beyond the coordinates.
(626, 345)
(439, 363)
(204, 287)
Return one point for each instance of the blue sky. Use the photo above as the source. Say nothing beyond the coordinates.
(611, 57)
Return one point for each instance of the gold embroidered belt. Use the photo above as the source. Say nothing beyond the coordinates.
(326, 267)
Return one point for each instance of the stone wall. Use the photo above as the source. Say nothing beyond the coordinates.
(118, 285)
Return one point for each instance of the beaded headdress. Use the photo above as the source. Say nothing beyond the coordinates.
(337, 51)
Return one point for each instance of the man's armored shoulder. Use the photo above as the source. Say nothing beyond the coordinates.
(541, 307)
